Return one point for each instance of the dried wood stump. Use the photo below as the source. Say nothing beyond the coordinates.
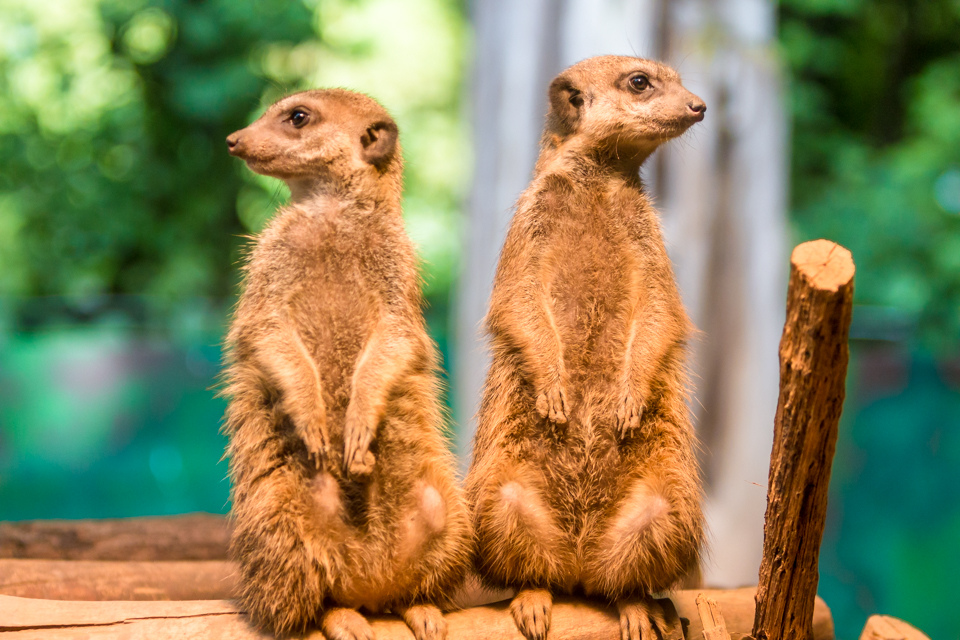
(813, 367)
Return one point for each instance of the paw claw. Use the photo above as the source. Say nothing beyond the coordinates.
(628, 414)
(426, 622)
(345, 624)
(649, 619)
(362, 466)
(357, 458)
(552, 404)
(531, 609)
(315, 444)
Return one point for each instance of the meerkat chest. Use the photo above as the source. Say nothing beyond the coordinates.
(591, 273)
(327, 290)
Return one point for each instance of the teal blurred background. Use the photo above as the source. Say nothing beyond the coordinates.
(122, 219)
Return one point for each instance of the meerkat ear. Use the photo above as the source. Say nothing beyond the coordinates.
(379, 141)
(565, 103)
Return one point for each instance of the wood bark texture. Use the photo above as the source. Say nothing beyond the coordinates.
(813, 368)
(196, 536)
(28, 619)
(114, 580)
(890, 628)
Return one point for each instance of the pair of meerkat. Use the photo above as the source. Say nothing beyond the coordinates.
(584, 477)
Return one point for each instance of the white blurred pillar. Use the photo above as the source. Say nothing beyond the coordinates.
(721, 191)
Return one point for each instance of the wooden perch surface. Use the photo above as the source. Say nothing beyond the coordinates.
(197, 536)
(107, 580)
(813, 368)
(28, 619)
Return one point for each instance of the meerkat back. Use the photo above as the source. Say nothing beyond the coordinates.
(584, 477)
(344, 491)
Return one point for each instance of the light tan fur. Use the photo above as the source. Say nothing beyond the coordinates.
(344, 494)
(584, 476)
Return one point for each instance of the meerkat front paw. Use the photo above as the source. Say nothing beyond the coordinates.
(552, 403)
(531, 610)
(629, 412)
(426, 622)
(315, 443)
(649, 619)
(357, 435)
(345, 624)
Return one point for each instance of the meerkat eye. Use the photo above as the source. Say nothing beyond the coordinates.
(299, 117)
(639, 83)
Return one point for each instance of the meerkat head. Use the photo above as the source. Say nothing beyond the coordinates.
(321, 137)
(629, 104)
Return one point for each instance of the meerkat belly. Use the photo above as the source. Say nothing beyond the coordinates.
(591, 287)
(338, 315)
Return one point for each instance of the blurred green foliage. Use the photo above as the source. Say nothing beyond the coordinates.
(114, 178)
(875, 98)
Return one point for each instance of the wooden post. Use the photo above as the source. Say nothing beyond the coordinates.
(813, 368)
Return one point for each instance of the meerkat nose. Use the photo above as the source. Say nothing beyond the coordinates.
(233, 141)
(697, 107)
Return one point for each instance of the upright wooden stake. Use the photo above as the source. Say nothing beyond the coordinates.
(813, 367)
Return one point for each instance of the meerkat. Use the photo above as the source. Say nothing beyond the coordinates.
(584, 477)
(344, 491)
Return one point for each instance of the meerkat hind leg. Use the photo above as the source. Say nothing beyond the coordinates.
(649, 619)
(523, 516)
(426, 621)
(427, 519)
(345, 624)
(643, 508)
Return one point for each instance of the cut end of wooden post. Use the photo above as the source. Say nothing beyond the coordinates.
(825, 265)
(890, 628)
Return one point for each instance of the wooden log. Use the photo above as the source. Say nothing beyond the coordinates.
(26, 619)
(813, 368)
(106, 580)
(168, 580)
(890, 628)
(195, 536)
